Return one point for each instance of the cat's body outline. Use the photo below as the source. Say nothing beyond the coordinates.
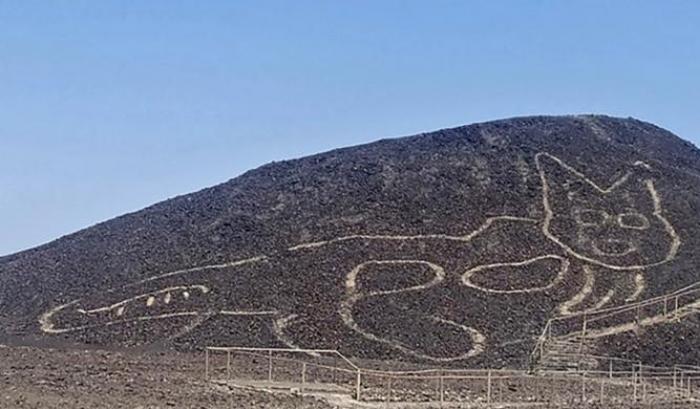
(283, 320)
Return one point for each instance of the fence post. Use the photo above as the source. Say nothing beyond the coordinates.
(676, 312)
(438, 385)
(675, 376)
(228, 364)
(641, 382)
(303, 376)
(499, 398)
(665, 306)
(206, 363)
(583, 337)
(553, 388)
(634, 381)
(602, 389)
(358, 384)
(583, 387)
(388, 396)
(269, 366)
(610, 370)
(335, 368)
(442, 388)
(488, 387)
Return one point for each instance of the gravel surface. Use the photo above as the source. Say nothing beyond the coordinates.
(447, 182)
(87, 379)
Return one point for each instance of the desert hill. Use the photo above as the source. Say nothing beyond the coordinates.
(453, 247)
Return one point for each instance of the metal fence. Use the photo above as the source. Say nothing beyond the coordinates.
(578, 328)
(656, 310)
(329, 371)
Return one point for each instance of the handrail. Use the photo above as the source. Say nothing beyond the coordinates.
(321, 351)
(667, 372)
(366, 371)
(591, 316)
(631, 307)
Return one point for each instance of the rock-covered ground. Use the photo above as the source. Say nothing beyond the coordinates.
(40, 378)
(60, 378)
(425, 274)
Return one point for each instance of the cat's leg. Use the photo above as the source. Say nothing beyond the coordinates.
(604, 289)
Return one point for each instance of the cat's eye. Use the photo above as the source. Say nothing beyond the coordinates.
(633, 220)
(591, 217)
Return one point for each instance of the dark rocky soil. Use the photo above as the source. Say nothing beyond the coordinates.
(59, 379)
(448, 182)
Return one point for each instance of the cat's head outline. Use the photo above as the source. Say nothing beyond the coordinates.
(621, 227)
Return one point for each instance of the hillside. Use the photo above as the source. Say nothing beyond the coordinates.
(452, 247)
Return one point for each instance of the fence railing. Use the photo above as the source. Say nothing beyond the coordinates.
(599, 323)
(329, 371)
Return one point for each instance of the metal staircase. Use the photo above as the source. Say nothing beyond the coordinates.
(570, 354)
(566, 342)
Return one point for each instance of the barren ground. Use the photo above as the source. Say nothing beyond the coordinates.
(32, 377)
(63, 378)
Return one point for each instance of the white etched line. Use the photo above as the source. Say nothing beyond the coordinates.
(465, 238)
(586, 290)
(639, 287)
(564, 267)
(202, 288)
(549, 214)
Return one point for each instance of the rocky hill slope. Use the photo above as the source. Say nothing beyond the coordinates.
(452, 247)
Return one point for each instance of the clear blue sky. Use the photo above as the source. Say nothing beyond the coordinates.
(109, 106)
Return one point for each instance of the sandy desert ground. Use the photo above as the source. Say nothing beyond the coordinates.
(61, 378)
(86, 379)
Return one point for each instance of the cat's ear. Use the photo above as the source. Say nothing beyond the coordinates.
(562, 180)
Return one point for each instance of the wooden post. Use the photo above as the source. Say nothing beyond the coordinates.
(583, 337)
(437, 386)
(500, 389)
(269, 366)
(335, 369)
(553, 389)
(602, 389)
(206, 363)
(583, 387)
(665, 306)
(228, 364)
(675, 384)
(388, 395)
(303, 376)
(442, 388)
(641, 381)
(634, 382)
(676, 312)
(358, 385)
(638, 318)
(488, 387)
